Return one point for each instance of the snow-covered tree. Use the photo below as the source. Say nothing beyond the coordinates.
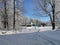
(48, 7)
(13, 11)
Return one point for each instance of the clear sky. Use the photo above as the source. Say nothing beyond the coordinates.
(29, 6)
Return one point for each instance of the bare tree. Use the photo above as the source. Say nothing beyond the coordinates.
(18, 10)
(5, 16)
(45, 5)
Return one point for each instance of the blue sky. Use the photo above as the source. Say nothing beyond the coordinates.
(29, 5)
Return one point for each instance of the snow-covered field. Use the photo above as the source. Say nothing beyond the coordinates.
(30, 36)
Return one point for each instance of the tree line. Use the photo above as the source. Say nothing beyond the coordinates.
(9, 7)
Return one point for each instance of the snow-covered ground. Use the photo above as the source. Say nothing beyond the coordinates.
(30, 36)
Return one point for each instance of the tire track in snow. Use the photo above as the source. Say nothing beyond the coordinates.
(42, 36)
(52, 41)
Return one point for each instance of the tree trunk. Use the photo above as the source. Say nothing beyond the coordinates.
(53, 25)
(5, 15)
(53, 11)
(14, 16)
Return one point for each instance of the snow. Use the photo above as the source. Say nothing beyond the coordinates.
(30, 36)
